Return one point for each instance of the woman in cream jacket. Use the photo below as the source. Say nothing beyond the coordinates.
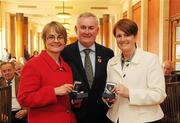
(139, 79)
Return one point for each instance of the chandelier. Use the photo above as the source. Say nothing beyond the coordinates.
(66, 25)
(63, 15)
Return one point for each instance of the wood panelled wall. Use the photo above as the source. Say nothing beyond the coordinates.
(136, 16)
(12, 33)
(19, 52)
(153, 26)
(174, 7)
(25, 33)
(125, 14)
(106, 30)
(174, 15)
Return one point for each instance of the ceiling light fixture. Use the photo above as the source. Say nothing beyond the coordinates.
(66, 25)
(63, 15)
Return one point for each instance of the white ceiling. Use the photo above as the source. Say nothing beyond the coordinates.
(44, 11)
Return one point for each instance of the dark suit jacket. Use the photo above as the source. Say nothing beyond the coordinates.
(174, 77)
(5, 96)
(92, 109)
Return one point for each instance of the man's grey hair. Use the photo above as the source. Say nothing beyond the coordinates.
(87, 14)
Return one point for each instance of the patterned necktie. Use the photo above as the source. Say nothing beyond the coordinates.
(88, 67)
(9, 83)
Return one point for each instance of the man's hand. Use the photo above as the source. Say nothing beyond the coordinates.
(21, 114)
(4, 117)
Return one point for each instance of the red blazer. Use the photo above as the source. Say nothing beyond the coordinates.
(36, 91)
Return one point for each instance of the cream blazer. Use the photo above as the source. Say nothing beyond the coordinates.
(144, 78)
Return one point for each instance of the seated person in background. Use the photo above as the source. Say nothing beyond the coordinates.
(169, 73)
(18, 68)
(18, 115)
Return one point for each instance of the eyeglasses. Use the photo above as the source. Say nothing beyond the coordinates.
(53, 37)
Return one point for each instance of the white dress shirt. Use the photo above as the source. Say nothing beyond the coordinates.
(15, 104)
(91, 54)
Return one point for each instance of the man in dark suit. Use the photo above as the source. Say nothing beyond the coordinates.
(169, 73)
(9, 77)
(92, 108)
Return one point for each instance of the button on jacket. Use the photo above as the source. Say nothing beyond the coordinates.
(145, 81)
(39, 78)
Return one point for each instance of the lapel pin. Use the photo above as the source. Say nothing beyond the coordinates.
(99, 59)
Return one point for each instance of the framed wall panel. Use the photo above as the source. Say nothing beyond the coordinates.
(153, 26)
(136, 16)
(125, 14)
(176, 44)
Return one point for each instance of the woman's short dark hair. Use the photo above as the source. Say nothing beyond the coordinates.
(58, 27)
(126, 25)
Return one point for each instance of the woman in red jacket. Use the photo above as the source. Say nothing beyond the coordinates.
(46, 81)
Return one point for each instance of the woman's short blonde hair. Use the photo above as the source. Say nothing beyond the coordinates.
(58, 27)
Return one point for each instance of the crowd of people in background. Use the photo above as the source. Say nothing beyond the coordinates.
(10, 77)
(10, 73)
(7, 57)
